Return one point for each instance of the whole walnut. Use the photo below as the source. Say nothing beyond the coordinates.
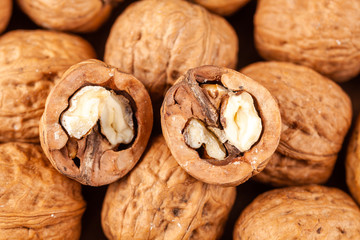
(316, 115)
(321, 34)
(36, 201)
(307, 212)
(159, 40)
(68, 15)
(31, 62)
(159, 200)
(5, 13)
(222, 7)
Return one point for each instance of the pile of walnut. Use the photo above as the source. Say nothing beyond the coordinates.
(162, 121)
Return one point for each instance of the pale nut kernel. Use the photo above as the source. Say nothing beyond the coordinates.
(242, 124)
(197, 135)
(93, 103)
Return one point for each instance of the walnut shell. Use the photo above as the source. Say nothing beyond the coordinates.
(222, 7)
(31, 61)
(5, 13)
(316, 114)
(36, 201)
(187, 100)
(68, 15)
(159, 200)
(307, 212)
(321, 34)
(157, 50)
(100, 163)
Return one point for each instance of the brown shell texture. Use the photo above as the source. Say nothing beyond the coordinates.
(99, 163)
(31, 61)
(307, 212)
(222, 7)
(353, 163)
(184, 101)
(159, 200)
(159, 48)
(321, 34)
(68, 15)
(5, 13)
(316, 115)
(36, 201)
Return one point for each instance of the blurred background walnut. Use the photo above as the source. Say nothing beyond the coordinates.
(222, 7)
(36, 201)
(5, 13)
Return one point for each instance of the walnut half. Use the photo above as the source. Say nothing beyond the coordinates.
(220, 125)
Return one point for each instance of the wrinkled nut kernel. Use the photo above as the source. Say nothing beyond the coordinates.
(93, 103)
(220, 125)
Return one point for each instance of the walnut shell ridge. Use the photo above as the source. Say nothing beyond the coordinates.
(307, 212)
(323, 35)
(316, 115)
(159, 200)
(36, 201)
(222, 7)
(31, 62)
(5, 13)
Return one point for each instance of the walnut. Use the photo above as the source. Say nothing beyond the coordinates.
(222, 7)
(68, 15)
(316, 114)
(5, 13)
(96, 123)
(31, 61)
(307, 212)
(159, 200)
(36, 202)
(220, 125)
(157, 50)
(321, 34)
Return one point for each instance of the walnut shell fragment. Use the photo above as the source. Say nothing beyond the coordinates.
(307, 212)
(157, 50)
(315, 113)
(222, 7)
(68, 15)
(220, 125)
(96, 123)
(323, 35)
(5, 13)
(36, 201)
(159, 200)
(31, 62)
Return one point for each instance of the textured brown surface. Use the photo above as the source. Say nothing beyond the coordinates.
(222, 7)
(185, 101)
(316, 115)
(321, 34)
(99, 162)
(308, 212)
(5, 13)
(159, 200)
(68, 15)
(31, 61)
(158, 48)
(36, 202)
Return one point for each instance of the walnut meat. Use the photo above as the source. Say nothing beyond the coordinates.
(96, 123)
(316, 114)
(31, 61)
(222, 7)
(68, 15)
(158, 48)
(159, 200)
(5, 13)
(321, 34)
(36, 201)
(220, 125)
(307, 212)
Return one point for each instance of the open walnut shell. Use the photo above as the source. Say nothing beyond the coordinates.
(5, 13)
(96, 123)
(307, 212)
(68, 15)
(315, 113)
(220, 125)
(36, 201)
(31, 62)
(159, 200)
(222, 7)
